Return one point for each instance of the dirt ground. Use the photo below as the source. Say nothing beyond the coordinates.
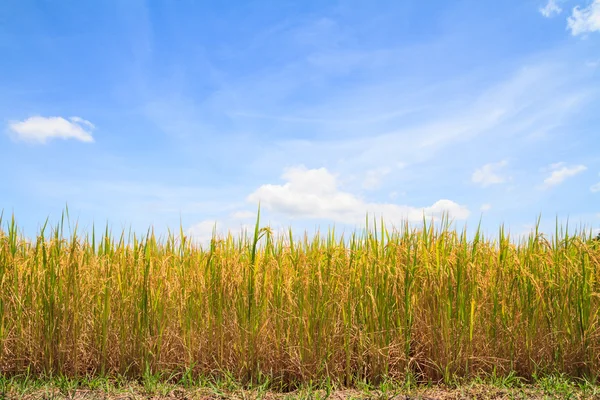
(473, 392)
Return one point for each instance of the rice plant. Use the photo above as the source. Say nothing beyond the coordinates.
(429, 304)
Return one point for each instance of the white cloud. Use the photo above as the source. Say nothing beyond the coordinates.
(595, 188)
(536, 98)
(585, 20)
(551, 9)
(80, 120)
(486, 207)
(41, 129)
(560, 172)
(488, 174)
(202, 232)
(313, 193)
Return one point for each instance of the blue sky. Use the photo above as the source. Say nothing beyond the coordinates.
(154, 112)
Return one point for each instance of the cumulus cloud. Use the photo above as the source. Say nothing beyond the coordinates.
(560, 172)
(585, 20)
(488, 174)
(313, 193)
(551, 9)
(42, 129)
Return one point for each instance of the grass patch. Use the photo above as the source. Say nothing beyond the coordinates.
(549, 387)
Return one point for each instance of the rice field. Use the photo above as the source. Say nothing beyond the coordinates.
(426, 304)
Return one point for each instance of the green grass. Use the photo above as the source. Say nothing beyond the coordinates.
(61, 387)
(405, 306)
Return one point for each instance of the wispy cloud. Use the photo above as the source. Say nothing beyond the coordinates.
(335, 93)
(525, 102)
(243, 215)
(560, 172)
(374, 177)
(585, 20)
(551, 9)
(286, 117)
(314, 193)
(135, 198)
(485, 207)
(595, 188)
(42, 129)
(592, 64)
(489, 174)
